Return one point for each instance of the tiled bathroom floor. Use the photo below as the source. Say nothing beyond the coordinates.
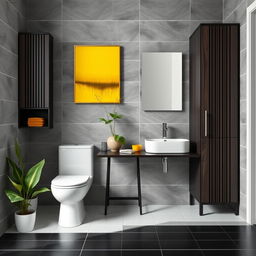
(120, 216)
(142, 241)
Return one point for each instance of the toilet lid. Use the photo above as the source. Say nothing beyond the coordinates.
(70, 180)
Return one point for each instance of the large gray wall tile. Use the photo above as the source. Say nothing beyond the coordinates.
(52, 27)
(206, 10)
(10, 15)
(87, 10)
(90, 113)
(125, 9)
(164, 30)
(238, 15)
(44, 10)
(8, 88)
(165, 10)
(96, 133)
(8, 63)
(20, 5)
(8, 38)
(8, 112)
(229, 6)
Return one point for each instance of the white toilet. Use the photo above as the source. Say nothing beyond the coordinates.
(73, 182)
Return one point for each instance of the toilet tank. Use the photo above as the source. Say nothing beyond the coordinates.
(76, 160)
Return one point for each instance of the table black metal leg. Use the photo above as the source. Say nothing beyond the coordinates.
(107, 186)
(139, 185)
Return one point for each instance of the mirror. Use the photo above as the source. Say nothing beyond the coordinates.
(162, 81)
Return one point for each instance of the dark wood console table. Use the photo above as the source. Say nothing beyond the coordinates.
(137, 155)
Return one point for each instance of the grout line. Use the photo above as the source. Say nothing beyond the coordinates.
(118, 21)
(139, 99)
(83, 245)
(62, 87)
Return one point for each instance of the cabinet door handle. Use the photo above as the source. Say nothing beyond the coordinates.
(205, 123)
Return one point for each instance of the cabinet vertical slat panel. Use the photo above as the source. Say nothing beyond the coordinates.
(205, 174)
(234, 79)
(47, 67)
(221, 116)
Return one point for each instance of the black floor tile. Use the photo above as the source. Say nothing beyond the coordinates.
(22, 245)
(207, 229)
(246, 244)
(63, 245)
(104, 236)
(175, 236)
(211, 236)
(141, 253)
(68, 236)
(183, 253)
(140, 236)
(244, 228)
(170, 229)
(139, 229)
(215, 245)
(59, 253)
(243, 235)
(229, 253)
(101, 253)
(140, 245)
(179, 244)
(25, 236)
(103, 245)
(20, 253)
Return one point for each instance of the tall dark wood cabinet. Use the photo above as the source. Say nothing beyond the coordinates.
(35, 78)
(214, 115)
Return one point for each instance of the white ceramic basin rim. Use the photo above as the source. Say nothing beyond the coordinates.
(167, 146)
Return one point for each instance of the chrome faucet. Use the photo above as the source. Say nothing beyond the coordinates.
(165, 130)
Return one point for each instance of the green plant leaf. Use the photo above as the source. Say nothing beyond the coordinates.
(39, 191)
(119, 138)
(18, 150)
(15, 185)
(115, 115)
(13, 197)
(105, 120)
(17, 174)
(33, 175)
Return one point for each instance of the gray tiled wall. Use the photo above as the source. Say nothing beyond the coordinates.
(138, 26)
(235, 11)
(12, 21)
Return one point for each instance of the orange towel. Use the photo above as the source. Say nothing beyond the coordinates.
(35, 125)
(36, 121)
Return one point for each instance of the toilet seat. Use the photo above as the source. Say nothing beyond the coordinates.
(70, 181)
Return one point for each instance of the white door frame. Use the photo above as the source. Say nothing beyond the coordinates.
(251, 114)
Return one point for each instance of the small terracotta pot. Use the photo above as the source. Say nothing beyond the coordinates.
(113, 145)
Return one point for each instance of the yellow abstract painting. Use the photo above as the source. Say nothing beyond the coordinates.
(96, 74)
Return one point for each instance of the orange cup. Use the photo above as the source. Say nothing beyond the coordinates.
(137, 147)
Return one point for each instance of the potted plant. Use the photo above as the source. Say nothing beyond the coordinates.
(115, 141)
(24, 184)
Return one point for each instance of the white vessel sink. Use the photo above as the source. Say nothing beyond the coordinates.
(167, 146)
